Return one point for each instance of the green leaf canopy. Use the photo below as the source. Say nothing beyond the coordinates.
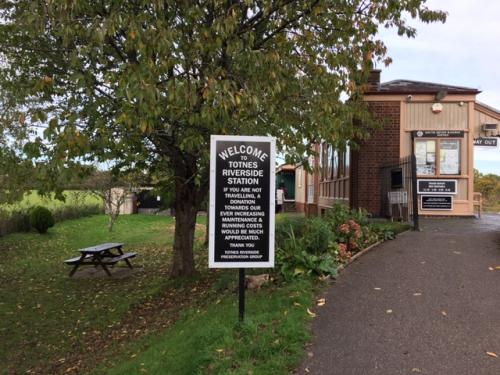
(145, 83)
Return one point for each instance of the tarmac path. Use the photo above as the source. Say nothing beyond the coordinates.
(425, 303)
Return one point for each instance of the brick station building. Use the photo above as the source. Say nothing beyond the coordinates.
(438, 123)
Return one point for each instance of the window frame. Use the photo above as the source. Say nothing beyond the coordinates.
(437, 156)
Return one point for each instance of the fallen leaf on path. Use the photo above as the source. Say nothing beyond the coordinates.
(492, 354)
(422, 262)
(307, 370)
(491, 268)
(310, 354)
(388, 311)
(417, 294)
(321, 302)
(444, 313)
(416, 370)
(377, 288)
(311, 313)
(457, 252)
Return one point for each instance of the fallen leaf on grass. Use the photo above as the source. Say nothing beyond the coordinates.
(219, 350)
(133, 356)
(321, 302)
(311, 313)
(492, 354)
(297, 304)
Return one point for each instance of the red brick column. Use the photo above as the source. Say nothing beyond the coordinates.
(381, 148)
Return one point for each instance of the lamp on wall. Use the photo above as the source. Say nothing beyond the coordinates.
(437, 108)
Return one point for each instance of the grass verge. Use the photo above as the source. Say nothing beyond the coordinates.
(210, 340)
(46, 315)
(394, 226)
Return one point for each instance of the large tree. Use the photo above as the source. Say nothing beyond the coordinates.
(145, 83)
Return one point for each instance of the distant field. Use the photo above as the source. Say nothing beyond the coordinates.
(73, 198)
(492, 207)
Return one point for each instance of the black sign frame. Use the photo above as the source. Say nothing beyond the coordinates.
(434, 191)
(255, 157)
(426, 203)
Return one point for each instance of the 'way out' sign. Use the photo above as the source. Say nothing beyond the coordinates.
(242, 192)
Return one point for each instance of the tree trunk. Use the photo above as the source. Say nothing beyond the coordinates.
(111, 221)
(189, 194)
(185, 223)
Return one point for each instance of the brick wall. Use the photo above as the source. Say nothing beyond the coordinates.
(381, 148)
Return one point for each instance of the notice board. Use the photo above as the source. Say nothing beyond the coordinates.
(436, 202)
(242, 201)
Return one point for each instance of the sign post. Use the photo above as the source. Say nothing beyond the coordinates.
(242, 200)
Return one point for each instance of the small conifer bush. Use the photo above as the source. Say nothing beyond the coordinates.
(41, 219)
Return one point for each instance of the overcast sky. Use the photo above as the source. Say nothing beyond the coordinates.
(464, 51)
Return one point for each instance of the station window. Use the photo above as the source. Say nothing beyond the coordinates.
(334, 164)
(437, 157)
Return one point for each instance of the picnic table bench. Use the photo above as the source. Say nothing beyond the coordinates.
(106, 254)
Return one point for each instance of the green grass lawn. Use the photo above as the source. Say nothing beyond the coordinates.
(211, 340)
(45, 313)
(73, 197)
(146, 322)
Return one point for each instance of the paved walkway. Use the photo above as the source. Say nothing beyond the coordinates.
(425, 303)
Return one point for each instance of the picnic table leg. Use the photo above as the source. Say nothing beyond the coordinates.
(98, 259)
(77, 264)
(119, 248)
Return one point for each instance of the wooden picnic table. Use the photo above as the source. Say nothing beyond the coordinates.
(106, 254)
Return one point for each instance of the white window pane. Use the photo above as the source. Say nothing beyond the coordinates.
(449, 160)
(425, 153)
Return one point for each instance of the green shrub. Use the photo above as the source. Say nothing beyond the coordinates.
(41, 219)
(14, 221)
(292, 259)
(75, 212)
(337, 215)
(286, 224)
(19, 220)
(317, 236)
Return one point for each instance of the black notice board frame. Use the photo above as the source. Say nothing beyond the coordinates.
(224, 248)
(425, 205)
(429, 191)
